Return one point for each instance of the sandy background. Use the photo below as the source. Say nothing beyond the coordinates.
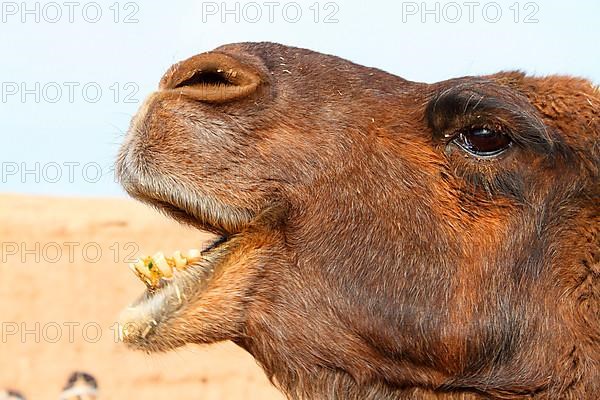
(63, 281)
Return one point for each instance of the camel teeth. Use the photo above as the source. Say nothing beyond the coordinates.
(179, 261)
(193, 255)
(143, 274)
(141, 268)
(163, 266)
(151, 270)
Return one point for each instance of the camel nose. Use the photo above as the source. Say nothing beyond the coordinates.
(212, 77)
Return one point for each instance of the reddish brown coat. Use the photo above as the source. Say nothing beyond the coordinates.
(375, 258)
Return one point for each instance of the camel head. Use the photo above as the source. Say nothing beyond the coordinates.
(376, 238)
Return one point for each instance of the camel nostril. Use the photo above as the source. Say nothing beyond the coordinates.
(213, 78)
(208, 78)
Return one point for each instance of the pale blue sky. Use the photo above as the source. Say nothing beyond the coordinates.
(78, 138)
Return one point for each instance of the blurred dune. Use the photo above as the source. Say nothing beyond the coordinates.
(63, 282)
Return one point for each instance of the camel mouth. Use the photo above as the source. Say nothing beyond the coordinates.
(173, 282)
(169, 296)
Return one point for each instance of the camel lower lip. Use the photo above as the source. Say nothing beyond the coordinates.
(158, 304)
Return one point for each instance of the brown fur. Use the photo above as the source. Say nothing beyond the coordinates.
(373, 258)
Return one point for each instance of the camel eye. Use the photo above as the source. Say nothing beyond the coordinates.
(483, 142)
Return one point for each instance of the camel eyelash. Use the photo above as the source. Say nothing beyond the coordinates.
(478, 125)
(462, 110)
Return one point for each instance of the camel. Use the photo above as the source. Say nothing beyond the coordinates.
(377, 238)
(80, 386)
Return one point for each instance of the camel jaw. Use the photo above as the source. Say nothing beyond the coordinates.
(162, 302)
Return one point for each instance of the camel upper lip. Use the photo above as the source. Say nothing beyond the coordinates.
(168, 195)
(188, 214)
(189, 217)
(179, 197)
